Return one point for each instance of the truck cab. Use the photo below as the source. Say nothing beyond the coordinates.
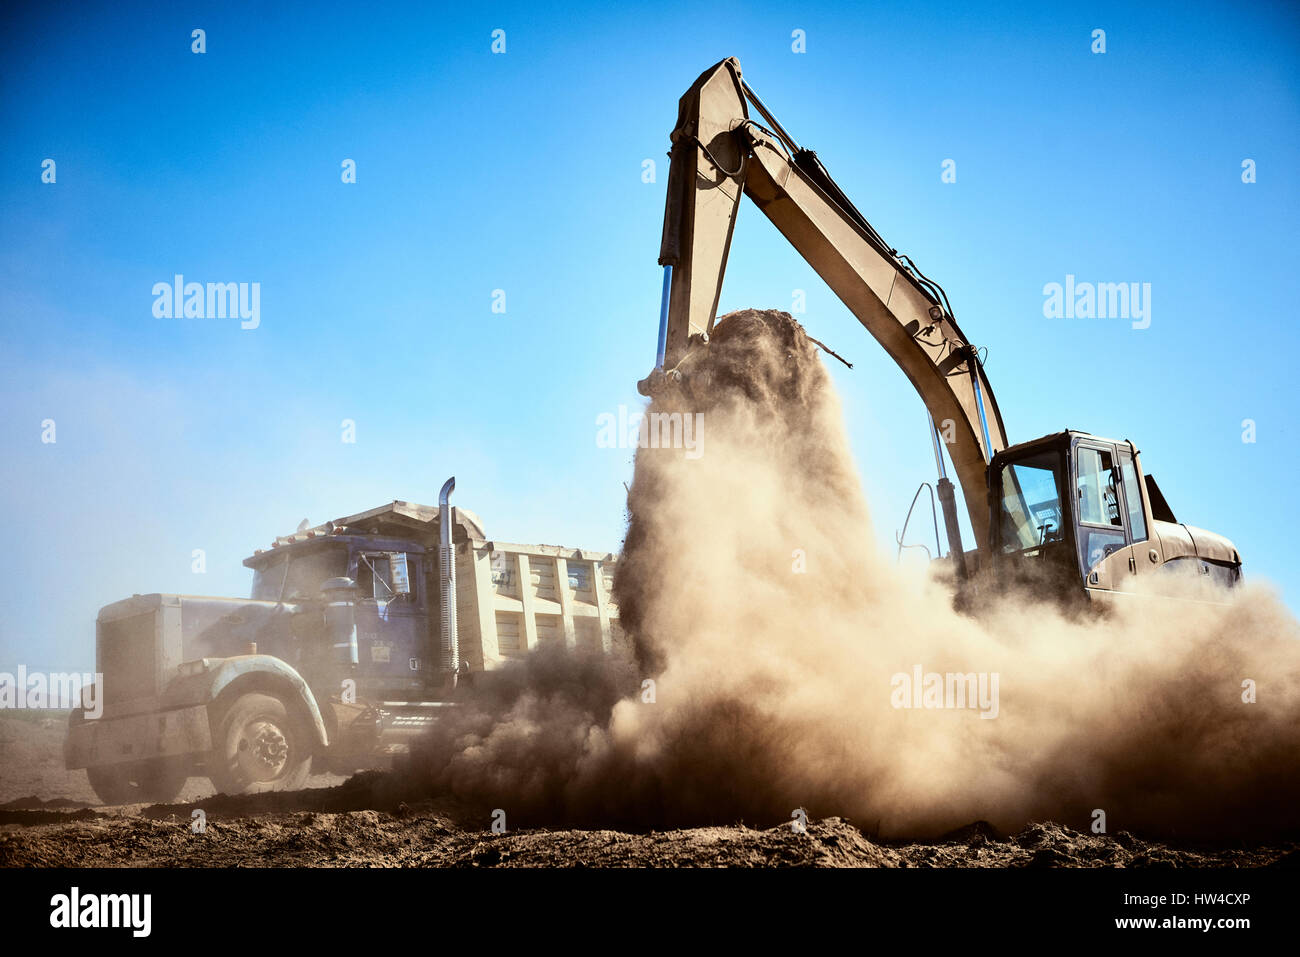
(1074, 509)
(390, 592)
(342, 653)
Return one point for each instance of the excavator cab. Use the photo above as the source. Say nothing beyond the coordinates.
(1073, 508)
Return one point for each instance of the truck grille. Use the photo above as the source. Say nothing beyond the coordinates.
(126, 657)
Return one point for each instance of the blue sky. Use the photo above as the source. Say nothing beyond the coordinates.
(522, 172)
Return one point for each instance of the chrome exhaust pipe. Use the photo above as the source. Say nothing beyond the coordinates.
(447, 581)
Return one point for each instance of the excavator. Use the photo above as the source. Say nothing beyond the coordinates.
(1071, 511)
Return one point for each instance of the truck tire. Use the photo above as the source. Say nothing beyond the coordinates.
(153, 782)
(259, 746)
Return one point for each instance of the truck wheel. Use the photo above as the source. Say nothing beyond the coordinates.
(153, 782)
(259, 746)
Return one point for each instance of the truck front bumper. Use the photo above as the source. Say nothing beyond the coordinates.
(158, 734)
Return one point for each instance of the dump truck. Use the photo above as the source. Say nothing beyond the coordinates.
(356, 636)
(1070, 514)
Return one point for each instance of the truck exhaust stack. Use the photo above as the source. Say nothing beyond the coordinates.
(447, 579)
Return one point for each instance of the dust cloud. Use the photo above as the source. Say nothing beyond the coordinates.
(773, 628)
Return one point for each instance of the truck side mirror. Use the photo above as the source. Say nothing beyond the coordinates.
(398, 571)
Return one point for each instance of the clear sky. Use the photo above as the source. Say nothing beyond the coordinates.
(522, 172)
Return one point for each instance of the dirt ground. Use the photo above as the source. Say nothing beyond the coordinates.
(49, 817)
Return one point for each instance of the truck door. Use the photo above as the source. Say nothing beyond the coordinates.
(1101, 517)
(392, 621)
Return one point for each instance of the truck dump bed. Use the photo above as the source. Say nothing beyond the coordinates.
(514, 598)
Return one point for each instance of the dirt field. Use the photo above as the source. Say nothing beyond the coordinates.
(49, 818)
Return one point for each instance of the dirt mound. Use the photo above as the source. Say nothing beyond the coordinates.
(376, 819)
(422, 834)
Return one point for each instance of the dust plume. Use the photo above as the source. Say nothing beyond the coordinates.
(773, 631)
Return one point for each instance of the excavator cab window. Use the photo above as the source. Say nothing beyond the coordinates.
(1034, 531)
(1100, 506)
(1031, 504)
(1137, 521)
(1033, 525)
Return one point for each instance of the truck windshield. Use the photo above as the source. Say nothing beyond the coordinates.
(307, 570)
(1031, 502)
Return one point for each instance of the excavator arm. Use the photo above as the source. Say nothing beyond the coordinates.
(719, 153)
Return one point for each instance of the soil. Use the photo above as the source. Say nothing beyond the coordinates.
(49, 817)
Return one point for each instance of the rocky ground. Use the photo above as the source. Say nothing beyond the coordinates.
(50, 818)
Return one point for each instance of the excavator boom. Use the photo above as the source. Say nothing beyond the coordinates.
(719, 153)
